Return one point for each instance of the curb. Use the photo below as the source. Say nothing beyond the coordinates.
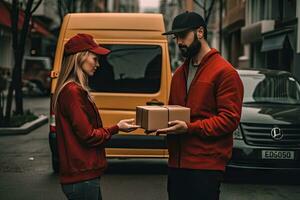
(25, 128)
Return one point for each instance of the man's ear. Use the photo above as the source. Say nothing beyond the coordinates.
(200, 32)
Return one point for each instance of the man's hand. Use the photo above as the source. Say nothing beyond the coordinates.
(176, 127)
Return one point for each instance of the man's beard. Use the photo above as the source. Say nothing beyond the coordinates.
(192, 50)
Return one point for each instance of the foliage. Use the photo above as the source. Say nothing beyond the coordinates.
(18, 120)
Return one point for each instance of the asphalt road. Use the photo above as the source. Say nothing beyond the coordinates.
(25, 173)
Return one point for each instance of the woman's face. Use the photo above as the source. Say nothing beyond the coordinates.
(90, 64)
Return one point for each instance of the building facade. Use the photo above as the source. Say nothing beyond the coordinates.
(271, 34)
(233, 21)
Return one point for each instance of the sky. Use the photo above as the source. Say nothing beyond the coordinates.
(149, 4)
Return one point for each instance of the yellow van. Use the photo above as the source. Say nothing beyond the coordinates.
(136, 72)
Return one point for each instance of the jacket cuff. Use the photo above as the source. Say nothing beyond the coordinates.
(113, 130)
(192, 128)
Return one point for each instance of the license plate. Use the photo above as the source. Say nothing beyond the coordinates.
(282, 155)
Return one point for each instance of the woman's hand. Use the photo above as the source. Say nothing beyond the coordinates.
(127, 125)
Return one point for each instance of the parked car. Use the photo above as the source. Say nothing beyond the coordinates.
(269, 133)
(36, 79)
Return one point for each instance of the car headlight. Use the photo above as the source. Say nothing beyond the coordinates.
(237, 134)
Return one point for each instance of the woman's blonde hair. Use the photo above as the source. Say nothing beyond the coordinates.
(71, 70)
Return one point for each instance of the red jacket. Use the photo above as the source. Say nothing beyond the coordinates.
(80, 136)
(215, 98)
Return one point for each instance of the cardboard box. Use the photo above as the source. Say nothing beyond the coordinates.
(178, 113)
(152, 118)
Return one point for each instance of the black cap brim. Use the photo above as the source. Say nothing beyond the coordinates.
(176, 31)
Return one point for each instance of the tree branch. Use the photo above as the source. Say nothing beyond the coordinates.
(209, 11)
(36, 6)
(198, 4)
(14, 15)
(60, 10)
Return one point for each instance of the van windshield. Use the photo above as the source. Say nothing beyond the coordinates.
(128, 69)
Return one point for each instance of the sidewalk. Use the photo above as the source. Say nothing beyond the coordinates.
(37, 105)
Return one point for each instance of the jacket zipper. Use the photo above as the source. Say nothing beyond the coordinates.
(179, 136)
(185, 104)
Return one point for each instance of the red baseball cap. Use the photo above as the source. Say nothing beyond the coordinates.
(84, 42)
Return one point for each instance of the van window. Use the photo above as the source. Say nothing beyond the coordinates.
(129, 69)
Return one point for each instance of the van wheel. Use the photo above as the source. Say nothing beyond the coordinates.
(55, 165)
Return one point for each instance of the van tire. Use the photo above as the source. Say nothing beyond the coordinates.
(55, 165)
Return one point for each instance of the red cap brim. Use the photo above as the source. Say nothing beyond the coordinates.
(100, 50)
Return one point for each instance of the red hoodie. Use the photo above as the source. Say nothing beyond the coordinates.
(215, 98)
(80, 136)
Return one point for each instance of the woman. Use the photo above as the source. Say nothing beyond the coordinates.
(80, 134)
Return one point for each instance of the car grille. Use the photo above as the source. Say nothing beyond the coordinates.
(260, 135)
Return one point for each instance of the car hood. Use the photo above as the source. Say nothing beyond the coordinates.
(270, 114)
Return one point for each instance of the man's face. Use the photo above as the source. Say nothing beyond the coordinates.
(188, 43)
(184, 38)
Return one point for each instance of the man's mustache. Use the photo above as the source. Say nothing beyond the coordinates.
(182, 46)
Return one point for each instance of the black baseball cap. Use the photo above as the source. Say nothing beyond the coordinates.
(186, 21)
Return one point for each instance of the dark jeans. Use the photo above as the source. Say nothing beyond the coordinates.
(85, 190)
(194, 184)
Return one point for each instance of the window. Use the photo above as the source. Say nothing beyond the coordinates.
(282, 57)
(129, 69)
(287, 10)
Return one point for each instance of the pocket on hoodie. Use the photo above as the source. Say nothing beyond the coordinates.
(196, 146)
(202, 97)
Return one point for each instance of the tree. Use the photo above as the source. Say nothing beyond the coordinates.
(19, 40)
(206, 10)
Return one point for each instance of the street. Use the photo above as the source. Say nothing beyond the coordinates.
(25, 173)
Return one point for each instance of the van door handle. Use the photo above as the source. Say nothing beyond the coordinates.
(154, 102)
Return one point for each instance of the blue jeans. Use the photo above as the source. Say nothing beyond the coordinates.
(85, 190)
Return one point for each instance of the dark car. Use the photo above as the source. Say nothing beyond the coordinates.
(36, 79)
(269, 133)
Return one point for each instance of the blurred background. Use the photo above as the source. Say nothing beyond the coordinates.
(249, 33)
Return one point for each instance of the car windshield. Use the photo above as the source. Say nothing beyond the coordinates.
(265, 88)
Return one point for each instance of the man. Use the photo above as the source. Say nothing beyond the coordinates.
(211, 87)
